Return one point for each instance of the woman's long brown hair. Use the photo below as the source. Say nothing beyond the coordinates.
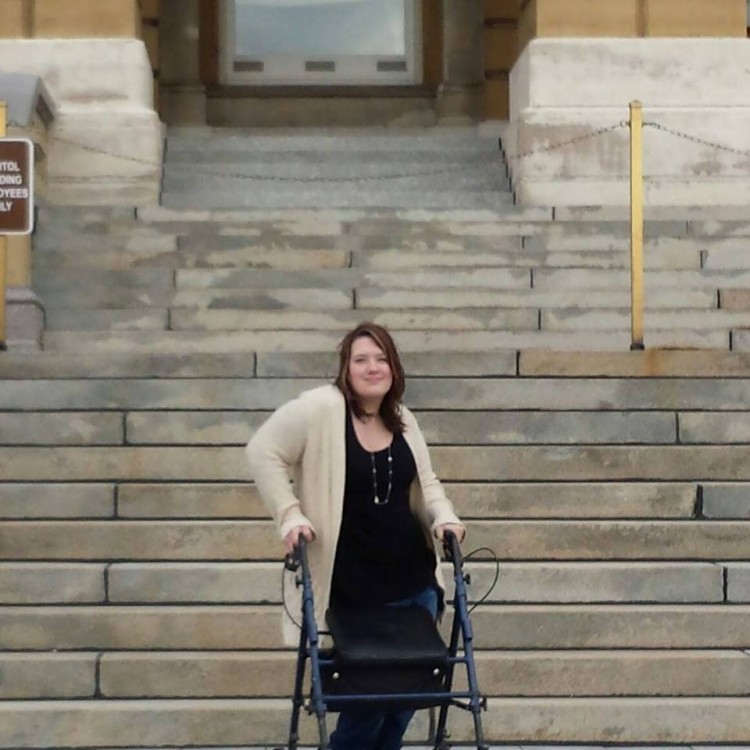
(390, 408)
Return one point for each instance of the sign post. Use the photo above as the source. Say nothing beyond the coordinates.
(16, 201)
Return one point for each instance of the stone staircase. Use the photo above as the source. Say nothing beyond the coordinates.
(139, 574)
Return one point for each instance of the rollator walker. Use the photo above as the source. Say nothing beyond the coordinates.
(384, 657)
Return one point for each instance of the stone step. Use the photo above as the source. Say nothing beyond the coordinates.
(439, 428)
(497, 500)
(635, 500)
(233, 540)
(83, 319)
(243, 257)
(619, 319)
(185, 319)
(220, 627)
(477, 394)
(315, 196)
(237, 722)
(194, 342)
(499, 220)
(241, 674)
(613, 279)
(667, 500)
(258, 583)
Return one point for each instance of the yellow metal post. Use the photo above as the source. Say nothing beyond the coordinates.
(636, 225)
(3, 245)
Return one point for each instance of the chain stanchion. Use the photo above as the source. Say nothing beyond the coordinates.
(636, 226)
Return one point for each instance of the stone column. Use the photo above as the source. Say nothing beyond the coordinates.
(460, 98)
(183, 95)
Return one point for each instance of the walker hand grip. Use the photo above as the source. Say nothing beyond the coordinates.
(451, 547)
(293, 559)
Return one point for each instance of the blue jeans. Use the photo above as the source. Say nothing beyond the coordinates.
(367, 729)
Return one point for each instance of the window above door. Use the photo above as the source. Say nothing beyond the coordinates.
(321, 42)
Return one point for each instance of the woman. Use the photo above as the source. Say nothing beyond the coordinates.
(365, 493)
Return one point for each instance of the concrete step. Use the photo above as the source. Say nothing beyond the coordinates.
(439, 428)
(194, 342)
(264, 674)
(258, 583)
(237, 722)
(225, 540)
(619, 319)
(220, 627)
(480, 394)
(239, 196)
(634, 500)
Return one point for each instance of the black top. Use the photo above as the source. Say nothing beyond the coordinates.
(382, 553)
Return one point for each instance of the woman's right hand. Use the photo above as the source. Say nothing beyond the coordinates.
(291, 539)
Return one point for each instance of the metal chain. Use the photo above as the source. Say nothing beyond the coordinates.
(696, 139)
(570, 142)
(269, 178)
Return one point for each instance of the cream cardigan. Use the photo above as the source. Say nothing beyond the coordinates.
(306, 439)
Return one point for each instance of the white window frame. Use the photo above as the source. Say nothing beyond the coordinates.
(282, 70)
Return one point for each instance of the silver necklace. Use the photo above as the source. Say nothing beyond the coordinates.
(376, 498)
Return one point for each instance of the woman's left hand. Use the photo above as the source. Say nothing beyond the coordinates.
(457, 529)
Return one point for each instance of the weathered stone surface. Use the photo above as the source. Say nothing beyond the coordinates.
(183, 342)
(726, 500)
(216, 627)
(734, 299)
(241, 583)
(535, 298)
(257, 675)
(81, 319)
(593, 320)
(738, 582)
(548, 278)
(472, 500)
(45, 365)
(416, 364)
(25, 676)
(573, 500)
(257, 540)
(459, 463)
(707, 427)
(610, 626)
(647, 364)
(265, 721)
(44, 583)
(56, 500)
(491, 428)
(563, 582)
(193, 500)
(192, 427)
(264, 299)
(342, 321)
(66, 428)
(137, 540)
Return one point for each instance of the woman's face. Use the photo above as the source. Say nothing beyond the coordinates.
(369, 372)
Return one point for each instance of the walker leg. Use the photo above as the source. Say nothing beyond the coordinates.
(325, 743)
(298, 698)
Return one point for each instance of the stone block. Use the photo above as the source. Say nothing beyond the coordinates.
(193, 500)
(592, 582)
(593, 170)
(726, 500)
(135, 540)
(41, 583)
(264, 299)
(561, 428)
(82, 319)
(708, 427)
(56, 500)
(192, 427)
(738, 582)
(573, 500)
(610, 626)
(35, 676)
(121, 135)
(696, 320)
(235, 583)
(213, 627)
(69, 428)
